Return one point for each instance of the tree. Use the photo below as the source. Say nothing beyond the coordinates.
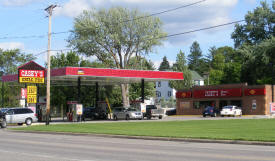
(164, 65)
(135, 88)
(114, 40)
(259, 25)
(253, 39)
(9, 61)
(62, 94)
(216, 72)
(64, 60)
(225, 65)
(195, 58)
(181, 66)
(259, 62)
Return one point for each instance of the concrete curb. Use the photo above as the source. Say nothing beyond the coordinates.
(156, 138)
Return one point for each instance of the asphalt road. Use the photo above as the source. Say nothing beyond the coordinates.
(15, 146)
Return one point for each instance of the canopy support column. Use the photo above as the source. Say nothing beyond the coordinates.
(2, 94)
(142, 91)
(96, 94)
(79, 90)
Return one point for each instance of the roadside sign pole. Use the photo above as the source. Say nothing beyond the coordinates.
(49, 10)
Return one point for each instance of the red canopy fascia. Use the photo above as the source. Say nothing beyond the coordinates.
(70, 73)
(121, 73)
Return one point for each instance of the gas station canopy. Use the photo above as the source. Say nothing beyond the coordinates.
(90, 76)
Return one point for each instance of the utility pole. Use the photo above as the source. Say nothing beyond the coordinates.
(49, 10)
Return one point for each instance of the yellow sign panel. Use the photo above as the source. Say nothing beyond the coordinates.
(31, 99)
(31, 80)
(31, 90)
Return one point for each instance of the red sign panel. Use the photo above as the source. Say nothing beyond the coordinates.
(237, 92)
(31, 73)
(183, 94)
(272, 107)
(23, 93)
(253, 92)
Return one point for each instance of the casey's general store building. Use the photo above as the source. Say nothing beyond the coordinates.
(254, 100)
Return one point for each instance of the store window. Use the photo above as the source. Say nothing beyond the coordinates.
(197, 82)
(158, 94)
(159, 84)
(169, 93)
(203, 104)
(196, 105)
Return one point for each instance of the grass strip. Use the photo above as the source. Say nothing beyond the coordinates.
(235, 129)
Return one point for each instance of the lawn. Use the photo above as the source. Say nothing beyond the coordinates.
(235, 129)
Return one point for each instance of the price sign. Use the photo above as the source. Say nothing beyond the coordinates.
(32, 90)
(31, 98)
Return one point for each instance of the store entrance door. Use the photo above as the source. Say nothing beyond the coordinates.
(222, 103)
(236, 103)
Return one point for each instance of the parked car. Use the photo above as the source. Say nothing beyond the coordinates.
(127, 114)
(89, 113)
(3, 110)
(92, 113)
(3, 123)
(231, 110)
(210, 111)
(20, 116)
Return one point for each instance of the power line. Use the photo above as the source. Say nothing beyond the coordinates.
(134, 19)
(171, 35)
(201, 29)
(122, 21)
(170, 10)
(42, 52)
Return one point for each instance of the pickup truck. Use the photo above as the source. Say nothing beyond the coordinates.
(152, 111)
(3, 122)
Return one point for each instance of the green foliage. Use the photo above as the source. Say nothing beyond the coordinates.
(259, 25)
(106, 35)
(64, 60)
(9, 61)
(259, 62)
(164, 65)
(135, 88)
(194, 57)
(225, 65)
(181, 66)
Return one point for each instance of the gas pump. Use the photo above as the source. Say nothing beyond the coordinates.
(74, 111)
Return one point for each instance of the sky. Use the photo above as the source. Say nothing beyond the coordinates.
(24, 23)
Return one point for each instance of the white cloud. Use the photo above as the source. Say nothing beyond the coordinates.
(17, 2)
(73, 8)
(158, 62)
(205, 14)
(12, 45)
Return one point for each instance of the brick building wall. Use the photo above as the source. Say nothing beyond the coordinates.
(254, 100)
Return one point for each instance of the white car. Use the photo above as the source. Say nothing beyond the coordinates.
(127, 114)
(231, 111)
(20, 116)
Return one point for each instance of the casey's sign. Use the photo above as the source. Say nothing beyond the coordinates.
(237, 92)
(31, 76)
(31, 73)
